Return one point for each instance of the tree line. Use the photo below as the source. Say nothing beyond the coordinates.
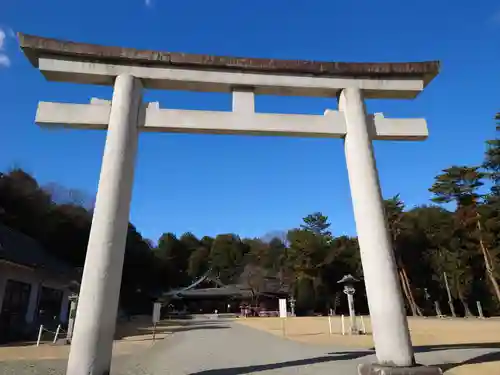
(443, 254)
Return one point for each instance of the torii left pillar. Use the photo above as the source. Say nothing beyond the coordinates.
(92, 342)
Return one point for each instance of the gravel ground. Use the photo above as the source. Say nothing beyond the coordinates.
(220, 347)
(52, 367)
(45, 367)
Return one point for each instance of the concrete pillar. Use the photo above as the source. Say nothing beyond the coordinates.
(94, 329)
(33, 302)
(390, 327)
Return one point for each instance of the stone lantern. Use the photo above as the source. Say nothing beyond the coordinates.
(292, 301)
(348, 282)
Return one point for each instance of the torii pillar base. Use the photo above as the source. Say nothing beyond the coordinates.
(375, 369)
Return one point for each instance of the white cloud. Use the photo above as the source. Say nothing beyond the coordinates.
(4, 59)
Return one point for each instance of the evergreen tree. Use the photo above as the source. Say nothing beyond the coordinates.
(459, 184)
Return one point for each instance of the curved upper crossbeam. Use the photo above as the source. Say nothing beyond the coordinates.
(61, 60)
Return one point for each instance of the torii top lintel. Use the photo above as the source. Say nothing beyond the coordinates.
(96, 64)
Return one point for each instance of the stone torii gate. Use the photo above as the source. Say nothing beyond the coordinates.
(129, 71)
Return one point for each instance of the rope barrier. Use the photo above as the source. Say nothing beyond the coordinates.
(48, 330)
(56, 333)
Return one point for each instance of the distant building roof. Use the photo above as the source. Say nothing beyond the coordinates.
(270, 287)
(18, 248)
(225, 291)
(174, 292)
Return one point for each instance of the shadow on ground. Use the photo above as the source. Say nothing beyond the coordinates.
(433, 348)
(492, 356)
(140, 328)
(485, 358)
(348, 355)
(17, 344)
(339, 356)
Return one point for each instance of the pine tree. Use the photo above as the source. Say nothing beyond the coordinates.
(460, 184)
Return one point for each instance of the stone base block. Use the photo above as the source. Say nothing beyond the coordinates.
(375, 369)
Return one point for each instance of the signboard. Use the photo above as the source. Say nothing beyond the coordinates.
(156, 312)
(282, 304)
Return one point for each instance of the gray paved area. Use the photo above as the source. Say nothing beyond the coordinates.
(220, 347)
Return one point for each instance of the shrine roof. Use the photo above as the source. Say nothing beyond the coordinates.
(36, 47)
(18, 248)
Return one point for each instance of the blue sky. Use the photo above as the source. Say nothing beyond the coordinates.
(253, 185)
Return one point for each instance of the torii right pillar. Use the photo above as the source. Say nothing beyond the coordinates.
(391, 336)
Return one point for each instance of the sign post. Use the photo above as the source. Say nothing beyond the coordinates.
(283, 313)
(156, 317)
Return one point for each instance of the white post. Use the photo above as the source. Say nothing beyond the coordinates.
(342, 323)
(56, 334)
(330, 324)
(389, 323)
(92, 340)
(363, 327)
(40, 331)
(438, 309)
(479, 309)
